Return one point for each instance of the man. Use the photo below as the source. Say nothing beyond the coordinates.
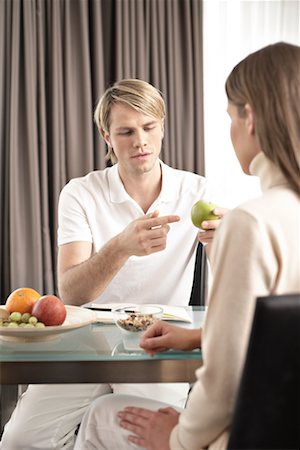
(125, 235)
(109, 219)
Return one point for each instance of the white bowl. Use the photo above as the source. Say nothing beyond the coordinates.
(134, 320)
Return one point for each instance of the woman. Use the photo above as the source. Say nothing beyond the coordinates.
(258, 257)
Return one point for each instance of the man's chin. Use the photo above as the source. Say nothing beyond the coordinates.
(145, 166)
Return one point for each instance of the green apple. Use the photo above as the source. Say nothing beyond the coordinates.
(203, 211)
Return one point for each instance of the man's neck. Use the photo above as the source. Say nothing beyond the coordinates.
(144, 188)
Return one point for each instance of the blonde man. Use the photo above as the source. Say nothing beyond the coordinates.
(125, 234)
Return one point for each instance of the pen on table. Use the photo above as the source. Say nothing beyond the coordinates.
(99, 308)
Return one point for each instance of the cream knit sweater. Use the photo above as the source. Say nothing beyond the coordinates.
(256, 252)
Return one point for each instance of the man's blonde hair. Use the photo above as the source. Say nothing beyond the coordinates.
(137, 94)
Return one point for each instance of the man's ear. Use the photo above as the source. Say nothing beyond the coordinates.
(163, 127)
(250, 120)
(106, 137)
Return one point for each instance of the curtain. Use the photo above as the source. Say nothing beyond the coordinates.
(57, 58)
(231, 30)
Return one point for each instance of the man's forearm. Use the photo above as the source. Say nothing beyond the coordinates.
(87, 280)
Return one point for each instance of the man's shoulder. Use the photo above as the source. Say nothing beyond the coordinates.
(183, 174)
(89, 181)
(184, 180)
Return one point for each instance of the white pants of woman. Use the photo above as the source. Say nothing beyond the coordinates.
(99, 429)
(47, 417)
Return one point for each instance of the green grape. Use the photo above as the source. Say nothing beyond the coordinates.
(13, 325)
(33, 320)
(25, 320)
(25, 317)
(15, 316)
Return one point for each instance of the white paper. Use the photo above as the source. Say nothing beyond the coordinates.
(176, 313)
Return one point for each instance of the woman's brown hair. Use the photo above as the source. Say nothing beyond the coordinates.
(269, 81)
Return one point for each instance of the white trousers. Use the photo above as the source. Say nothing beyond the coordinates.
(99, 429)
(47, 416)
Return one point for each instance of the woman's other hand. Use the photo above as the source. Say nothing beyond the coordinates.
(162, 336)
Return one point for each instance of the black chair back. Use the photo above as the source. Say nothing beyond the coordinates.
(199, 289)
(267, 411)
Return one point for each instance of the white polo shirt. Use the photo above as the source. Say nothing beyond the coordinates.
(96, 207)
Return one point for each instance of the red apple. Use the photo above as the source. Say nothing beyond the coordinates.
(50, 310)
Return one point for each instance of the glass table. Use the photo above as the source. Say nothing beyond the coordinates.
(92, 354)
(95, 354)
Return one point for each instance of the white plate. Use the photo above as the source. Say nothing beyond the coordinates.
(76, 318)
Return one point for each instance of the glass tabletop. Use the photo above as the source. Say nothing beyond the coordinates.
(93, 342)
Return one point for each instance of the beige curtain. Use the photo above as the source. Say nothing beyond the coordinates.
(56, 58)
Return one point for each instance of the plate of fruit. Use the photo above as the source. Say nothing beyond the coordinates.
(28, 316)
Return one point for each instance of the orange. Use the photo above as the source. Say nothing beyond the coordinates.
(21, 300)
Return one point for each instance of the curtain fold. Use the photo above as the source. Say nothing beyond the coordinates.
(57, 58)
(24, 196)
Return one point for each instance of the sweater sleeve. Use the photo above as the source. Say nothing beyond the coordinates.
(244, 267)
